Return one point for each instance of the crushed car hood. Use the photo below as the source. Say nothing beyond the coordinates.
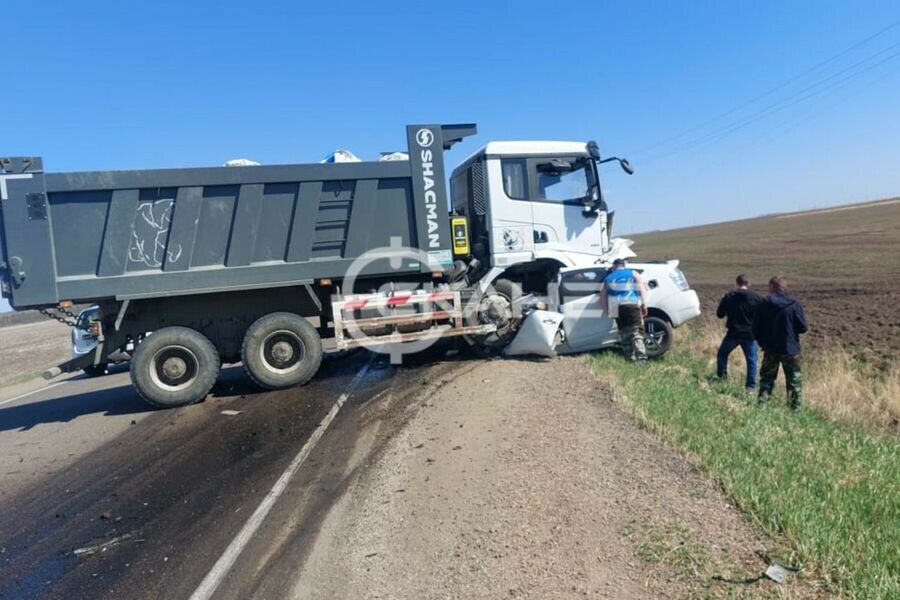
(619, 248)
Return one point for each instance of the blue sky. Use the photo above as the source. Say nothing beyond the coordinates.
(153, 84)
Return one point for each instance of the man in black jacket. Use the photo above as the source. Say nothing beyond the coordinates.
(738, 308)
(777, 327)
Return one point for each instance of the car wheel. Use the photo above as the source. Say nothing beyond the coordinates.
(658, 336)
(175, 366)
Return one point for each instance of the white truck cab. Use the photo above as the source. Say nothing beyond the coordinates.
(537, 215)
(535, 204)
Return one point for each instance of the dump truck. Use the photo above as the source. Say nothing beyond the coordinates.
(198, 267)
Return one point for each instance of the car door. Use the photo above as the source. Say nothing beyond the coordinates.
(586, 325)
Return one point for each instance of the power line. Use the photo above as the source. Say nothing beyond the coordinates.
(771, 91)
(792, 124)
(788, 125)
(787, 102)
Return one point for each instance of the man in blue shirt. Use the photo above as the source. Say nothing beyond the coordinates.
(624, 297)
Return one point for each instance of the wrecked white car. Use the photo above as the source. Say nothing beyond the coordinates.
(84, 340)
(585, 326)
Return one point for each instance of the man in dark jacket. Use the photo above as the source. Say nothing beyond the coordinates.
(738, 308)
(777, 327)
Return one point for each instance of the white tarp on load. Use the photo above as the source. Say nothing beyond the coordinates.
(241, 162)
(539, 334)
(393, 156)
(341, 156)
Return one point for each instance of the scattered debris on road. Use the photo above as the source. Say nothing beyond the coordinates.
(231, 413)
(88, 550)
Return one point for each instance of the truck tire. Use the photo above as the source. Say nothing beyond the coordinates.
(498, 307)
(658, 336)
(96, 370)
(281, 350)
(174, 366)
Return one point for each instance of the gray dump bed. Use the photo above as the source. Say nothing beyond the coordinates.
(137, 234)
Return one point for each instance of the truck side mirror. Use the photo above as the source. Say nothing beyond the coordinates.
(626, 166)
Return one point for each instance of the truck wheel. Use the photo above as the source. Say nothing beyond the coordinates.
(281, 350)
(174, 366)
(658, 335)
(96, 370)
(498, 307)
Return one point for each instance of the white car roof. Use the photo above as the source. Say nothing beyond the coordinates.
(654, 266)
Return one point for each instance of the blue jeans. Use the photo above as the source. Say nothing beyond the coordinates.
(749, 348)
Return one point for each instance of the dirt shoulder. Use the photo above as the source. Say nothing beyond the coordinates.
(523, 479)
(26, 350)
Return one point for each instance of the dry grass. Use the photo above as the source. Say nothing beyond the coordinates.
(834, 381)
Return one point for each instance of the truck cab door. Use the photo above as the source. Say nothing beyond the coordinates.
(560, 221)
(511, 218)
(586, 325)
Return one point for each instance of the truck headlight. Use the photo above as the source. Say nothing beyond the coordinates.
(679, 280)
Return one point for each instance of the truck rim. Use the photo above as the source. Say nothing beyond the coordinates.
(282, 351)
(174, 368)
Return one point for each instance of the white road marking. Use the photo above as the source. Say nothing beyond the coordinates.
(226, 561)
(26, 394)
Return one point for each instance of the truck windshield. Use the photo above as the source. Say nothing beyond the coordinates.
(568, 185)
(537, 179)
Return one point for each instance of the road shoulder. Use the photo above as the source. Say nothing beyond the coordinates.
(523, 479)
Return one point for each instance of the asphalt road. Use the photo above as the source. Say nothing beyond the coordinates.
(105, 497)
